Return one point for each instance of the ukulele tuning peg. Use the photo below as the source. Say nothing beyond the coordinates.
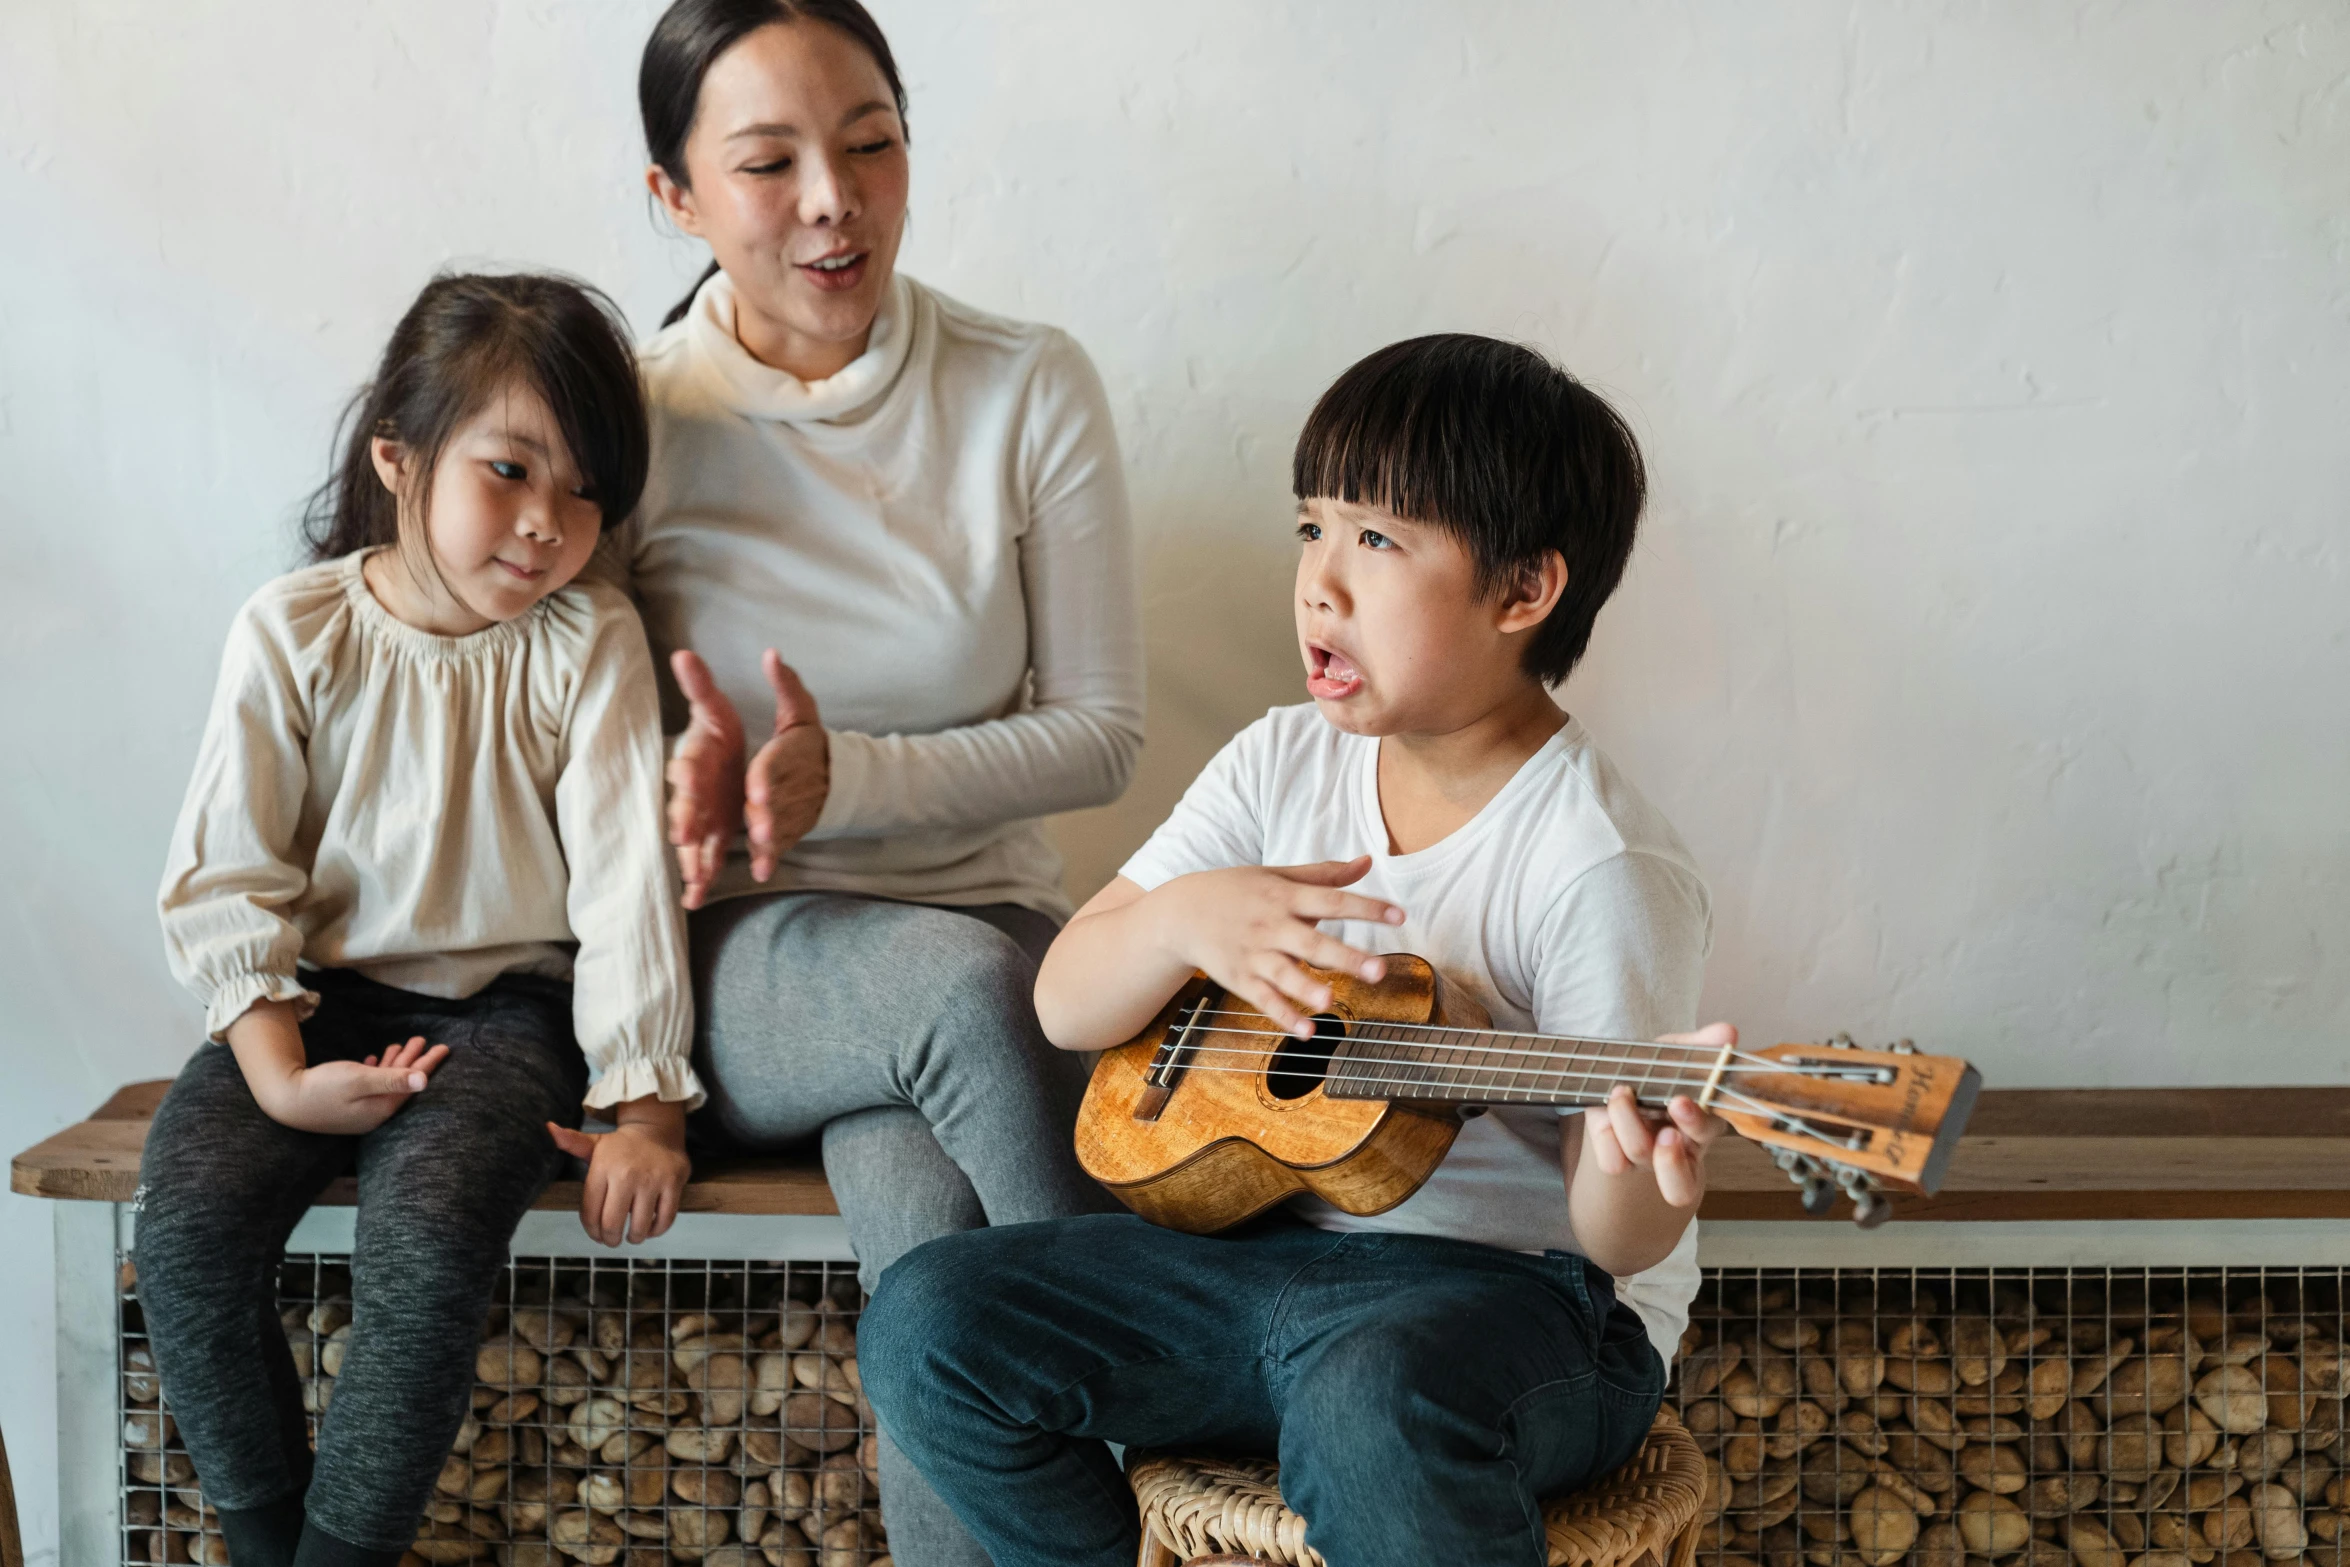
(1819, 1192)
(1904, 1047)
(1842, 1042)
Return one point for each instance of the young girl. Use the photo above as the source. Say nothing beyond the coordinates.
(418, 877)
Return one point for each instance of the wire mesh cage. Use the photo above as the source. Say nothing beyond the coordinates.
(625, 1414)
(2102, 1417)
(644, 1413)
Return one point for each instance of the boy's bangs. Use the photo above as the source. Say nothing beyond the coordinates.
(1380, 441)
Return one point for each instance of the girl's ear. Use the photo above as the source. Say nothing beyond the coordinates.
(676, 200)
(390, 459)
(1529, 602)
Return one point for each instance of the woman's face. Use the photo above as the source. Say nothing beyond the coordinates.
(797, 179)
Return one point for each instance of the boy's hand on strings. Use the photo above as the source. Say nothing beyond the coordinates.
(636, 1172)
(705, 775)
(348, 1098)
(789, 779)
(1251, 928)
(1621, 1135)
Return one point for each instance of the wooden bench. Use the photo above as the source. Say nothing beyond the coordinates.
(2029, 1154)
(98, 1161)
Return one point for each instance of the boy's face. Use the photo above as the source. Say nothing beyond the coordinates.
(1396, 639)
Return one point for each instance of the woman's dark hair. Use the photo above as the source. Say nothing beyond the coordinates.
(688, 40)
(1498, 446)
(467, 337)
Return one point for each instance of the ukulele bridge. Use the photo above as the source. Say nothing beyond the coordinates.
(1173, 1055)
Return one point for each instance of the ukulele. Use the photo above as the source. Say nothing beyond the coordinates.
(1214, 1113)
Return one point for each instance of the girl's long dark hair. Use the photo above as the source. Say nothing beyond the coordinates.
(467, 337)
(688, 40)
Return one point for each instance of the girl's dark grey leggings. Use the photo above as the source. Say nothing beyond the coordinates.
(442, 1184)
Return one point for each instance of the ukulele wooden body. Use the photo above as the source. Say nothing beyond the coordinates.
(1242, 1128)
(1213, 1114)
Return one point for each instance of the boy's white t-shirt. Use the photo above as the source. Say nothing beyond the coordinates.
(1568, 905)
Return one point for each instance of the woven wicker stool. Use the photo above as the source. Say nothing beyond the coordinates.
(1198, 1511)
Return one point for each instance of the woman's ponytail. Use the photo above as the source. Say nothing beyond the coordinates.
(678, 310)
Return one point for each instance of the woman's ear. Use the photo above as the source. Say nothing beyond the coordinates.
(1535, 594)
(390, 459)
(676, 200)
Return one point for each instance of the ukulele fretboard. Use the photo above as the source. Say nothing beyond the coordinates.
(1495, 1067)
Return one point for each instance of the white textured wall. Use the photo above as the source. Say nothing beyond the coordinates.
(1990, 638)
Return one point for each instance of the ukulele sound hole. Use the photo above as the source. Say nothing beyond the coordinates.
(1300, 1064)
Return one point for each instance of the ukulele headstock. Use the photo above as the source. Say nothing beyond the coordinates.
(1838, 1117)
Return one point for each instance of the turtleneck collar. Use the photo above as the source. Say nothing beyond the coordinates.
(760, 391)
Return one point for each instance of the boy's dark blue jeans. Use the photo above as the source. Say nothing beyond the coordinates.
(1422, 1395)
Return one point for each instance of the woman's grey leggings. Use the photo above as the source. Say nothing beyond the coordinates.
(904, 1035)
(442, 1184)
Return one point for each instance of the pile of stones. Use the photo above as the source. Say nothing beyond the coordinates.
(2089, 1420)
(622, 1417)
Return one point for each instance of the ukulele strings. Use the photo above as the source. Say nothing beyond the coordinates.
(1435, 1076)
(1724, 1094)
(1700, 1055)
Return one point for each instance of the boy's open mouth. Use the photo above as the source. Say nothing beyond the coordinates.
(1331, 675)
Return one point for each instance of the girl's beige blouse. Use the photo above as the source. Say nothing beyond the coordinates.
(435, 812)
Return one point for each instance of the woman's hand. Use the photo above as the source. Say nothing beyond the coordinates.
(713, 795)
(705, 778)
(636, 1172)
(790, 777)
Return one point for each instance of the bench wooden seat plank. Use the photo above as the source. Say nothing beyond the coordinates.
(2029, 1153)
(98, 1161)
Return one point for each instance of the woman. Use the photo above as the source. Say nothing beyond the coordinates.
(872, 503)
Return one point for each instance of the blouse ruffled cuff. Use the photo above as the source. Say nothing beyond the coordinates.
(235, 996)
(622, 1081)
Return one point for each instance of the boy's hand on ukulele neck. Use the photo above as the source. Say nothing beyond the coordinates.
(349, 1098)
(1251, 928)
(1622, 1136)
(636, 1172)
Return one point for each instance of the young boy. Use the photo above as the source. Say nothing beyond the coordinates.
(1426, 1375)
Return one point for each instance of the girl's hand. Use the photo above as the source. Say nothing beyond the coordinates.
(348, 1098)
(705, 778)
(1251, 927)
(1621, 1136)
(788, 780)
(636, 1173)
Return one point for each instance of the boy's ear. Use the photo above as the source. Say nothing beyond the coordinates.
(388, 456)
(1530, 599)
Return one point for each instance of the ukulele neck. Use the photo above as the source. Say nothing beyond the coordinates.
(1497, 1067)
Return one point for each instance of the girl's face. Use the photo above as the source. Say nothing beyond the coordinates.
(798, 174)
(507, 521)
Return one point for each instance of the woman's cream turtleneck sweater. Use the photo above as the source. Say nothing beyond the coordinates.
(937, 540)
